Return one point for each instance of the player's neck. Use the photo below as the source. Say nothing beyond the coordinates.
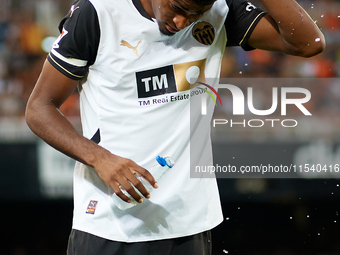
(147, 7)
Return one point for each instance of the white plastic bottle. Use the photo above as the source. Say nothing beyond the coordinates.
(157, 171)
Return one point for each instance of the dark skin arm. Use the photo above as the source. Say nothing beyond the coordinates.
(287, 28)
(45, 120)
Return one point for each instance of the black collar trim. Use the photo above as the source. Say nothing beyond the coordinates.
(141, 9)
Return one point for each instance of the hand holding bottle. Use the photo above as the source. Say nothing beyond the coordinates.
(157, 171)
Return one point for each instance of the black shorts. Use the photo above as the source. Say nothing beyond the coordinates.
(82, 243)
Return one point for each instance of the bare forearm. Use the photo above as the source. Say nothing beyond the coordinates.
(51, 126)
(288, 28)
(295, 25)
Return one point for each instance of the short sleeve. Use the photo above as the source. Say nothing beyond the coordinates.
(76, 47)
(241, 20)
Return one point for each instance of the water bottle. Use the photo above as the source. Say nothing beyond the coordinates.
(157, 171)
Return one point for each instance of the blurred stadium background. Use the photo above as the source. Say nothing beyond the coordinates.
(262, 216)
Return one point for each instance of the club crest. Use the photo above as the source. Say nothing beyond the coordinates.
(204, 33)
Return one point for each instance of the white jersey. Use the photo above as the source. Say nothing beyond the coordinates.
(137, 102)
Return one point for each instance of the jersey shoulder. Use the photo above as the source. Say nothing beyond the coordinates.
(242, 18)
(77, 45)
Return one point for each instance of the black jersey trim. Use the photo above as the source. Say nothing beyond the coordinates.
(96, 137)
(141, 9)
(62, 69)
(252, 26)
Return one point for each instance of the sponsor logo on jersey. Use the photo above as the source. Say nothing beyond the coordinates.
(204, 33)
(91, 208)
(126, 44)
(169, 79)
(250, 7)
(61, 36)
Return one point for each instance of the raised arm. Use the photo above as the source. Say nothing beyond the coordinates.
(287, 28)
(46, 121)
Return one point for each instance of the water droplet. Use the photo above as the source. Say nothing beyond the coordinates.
(337, 185)
(319, 234)
(225, 251)
(335, 221)
(238, 208)
(246, 64)
(240, 72)
(227, 218)
(291, 218)
(332, 193)
(307, 216)
(233, 157)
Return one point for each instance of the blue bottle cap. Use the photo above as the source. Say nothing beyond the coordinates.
(163, 162)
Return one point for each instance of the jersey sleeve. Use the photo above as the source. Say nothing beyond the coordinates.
(76, 47)
(241, 20)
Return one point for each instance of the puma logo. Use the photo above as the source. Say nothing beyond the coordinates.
(125, 43)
